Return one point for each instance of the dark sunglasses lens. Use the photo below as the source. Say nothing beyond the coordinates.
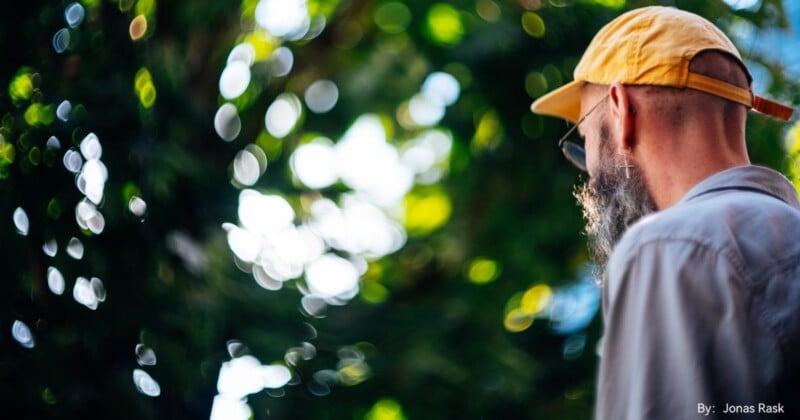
(575, 154)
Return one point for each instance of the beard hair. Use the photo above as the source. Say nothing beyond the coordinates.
(611, 203)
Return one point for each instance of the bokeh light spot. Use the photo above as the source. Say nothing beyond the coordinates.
(63, 110)
(248, 165)
(61, 40)
(37, 115)
(488, 133)
(74, 14)
(21, 221)
(488, 10)
(533, 24)
(236, 348)
(7, 155)
(392, 17)
(227, 122)
(313, 306)
(283, 18)
(75, 248)
(88, 218)
(318, 24)
(23, 334)
(73, 161)
(536, 299)
(50, 248)
(246, 375)
(125, 5)
(428, 156)
(352, 372)
(226, 407)
(138, 27)
(145, 383)
(90, 147)
(321, 96)
(792, 146)
(145, 90)
(244, 52)
(263, 44)
(314, 164)
(35, 156)
(49, 397)
(553, 75)
(145, 7)
(137, 206)
(240, 377)
(275, 376)
(282, 115)
(21, 87)
(282, 61)
(84, 293)
(442, 86)
(359, 227)
(54, 209)
(148, 95)
(535, 84)
(234, 79)
(332, 276)
(572, 308)
(426, 211)
(385, 409)
(91, 180)
(145, 356)
(374, 292)
(518, 320)
(264, 213)
(573, 346)
(444, 24)
(425, 110)
(483, 270)
(53, 143)
(55, 281)
(245, 245)
(98, 289)
(369, 165)
(792, 139)
(265, 280)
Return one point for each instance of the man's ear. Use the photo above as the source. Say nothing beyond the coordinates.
(623, 113)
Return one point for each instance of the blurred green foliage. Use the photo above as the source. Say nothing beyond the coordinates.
(499, 233)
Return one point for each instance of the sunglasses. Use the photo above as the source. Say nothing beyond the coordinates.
(574, 152)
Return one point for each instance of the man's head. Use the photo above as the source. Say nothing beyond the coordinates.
(652, 46)
(660, 96)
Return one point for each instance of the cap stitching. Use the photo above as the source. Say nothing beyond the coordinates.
(636, 40)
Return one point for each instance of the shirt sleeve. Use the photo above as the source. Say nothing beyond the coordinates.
(676, 339)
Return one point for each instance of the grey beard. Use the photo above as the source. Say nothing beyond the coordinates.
(611, 203)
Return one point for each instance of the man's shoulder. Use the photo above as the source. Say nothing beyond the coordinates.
(743, 220)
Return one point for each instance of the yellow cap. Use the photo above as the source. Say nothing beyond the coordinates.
(652, 46)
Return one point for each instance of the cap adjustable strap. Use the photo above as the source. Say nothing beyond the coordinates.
(772, 108)
(738, 95)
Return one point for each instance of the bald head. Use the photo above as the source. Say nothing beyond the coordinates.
(678, 108)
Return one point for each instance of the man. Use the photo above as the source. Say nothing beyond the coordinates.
(701, 296)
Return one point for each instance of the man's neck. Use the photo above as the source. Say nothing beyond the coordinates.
(674, 166)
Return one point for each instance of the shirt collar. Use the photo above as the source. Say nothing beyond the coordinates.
(751, 177)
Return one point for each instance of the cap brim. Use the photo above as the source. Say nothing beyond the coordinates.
(564, 102)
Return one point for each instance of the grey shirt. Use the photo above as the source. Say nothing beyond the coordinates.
(702, 305)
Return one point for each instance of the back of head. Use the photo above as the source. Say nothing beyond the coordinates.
(684, 106)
